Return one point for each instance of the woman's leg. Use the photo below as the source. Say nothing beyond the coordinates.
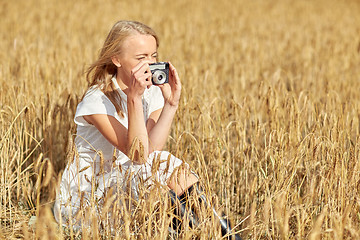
(181, 180)
(180, 183)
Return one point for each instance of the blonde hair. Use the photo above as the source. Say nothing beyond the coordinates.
(99, 74)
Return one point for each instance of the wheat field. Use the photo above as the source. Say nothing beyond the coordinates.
(269, 116)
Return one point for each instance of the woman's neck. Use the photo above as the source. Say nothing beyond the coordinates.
(121, 84)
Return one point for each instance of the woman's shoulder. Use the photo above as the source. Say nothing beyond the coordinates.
(93, 92)
(94, 102)
(94, 96)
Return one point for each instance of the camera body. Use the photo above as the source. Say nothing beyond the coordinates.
(160, 72)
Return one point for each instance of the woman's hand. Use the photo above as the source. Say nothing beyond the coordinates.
(172, 90)
(140, 79)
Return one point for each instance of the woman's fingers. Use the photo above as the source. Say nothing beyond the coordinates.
(172, 90)
(139, 66)
(174, 74)
(141, 78)
(142, 73)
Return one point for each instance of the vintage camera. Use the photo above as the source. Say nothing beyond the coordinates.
(160, 72)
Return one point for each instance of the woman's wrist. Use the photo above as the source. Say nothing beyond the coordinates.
(134, 99)
(172, 104)
(171, 107)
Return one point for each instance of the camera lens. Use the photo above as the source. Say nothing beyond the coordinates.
(159, 77)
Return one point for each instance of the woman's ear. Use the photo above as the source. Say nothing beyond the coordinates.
(116, 61)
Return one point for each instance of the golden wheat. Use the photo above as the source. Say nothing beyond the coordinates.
(269, 116)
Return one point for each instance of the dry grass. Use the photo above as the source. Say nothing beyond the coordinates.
(269, 116)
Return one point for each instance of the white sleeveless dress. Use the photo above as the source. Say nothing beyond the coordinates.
(88, 171)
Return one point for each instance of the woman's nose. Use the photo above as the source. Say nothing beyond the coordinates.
(150, 59)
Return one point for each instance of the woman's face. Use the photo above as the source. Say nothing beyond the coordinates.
(136, 48)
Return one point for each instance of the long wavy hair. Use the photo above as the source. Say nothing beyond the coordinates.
(99, 73)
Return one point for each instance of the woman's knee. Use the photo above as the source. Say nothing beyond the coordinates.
(182, 179)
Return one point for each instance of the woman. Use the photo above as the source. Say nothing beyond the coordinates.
(124, 117)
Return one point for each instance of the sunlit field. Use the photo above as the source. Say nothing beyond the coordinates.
(269, 114)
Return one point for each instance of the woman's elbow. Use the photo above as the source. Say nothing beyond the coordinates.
(137, 152)
(139, 156)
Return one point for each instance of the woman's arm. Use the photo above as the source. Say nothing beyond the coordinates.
(115, 132)
(119, 136)
(153, 134)
(137, 135)
(111, 129)
(159, 127)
